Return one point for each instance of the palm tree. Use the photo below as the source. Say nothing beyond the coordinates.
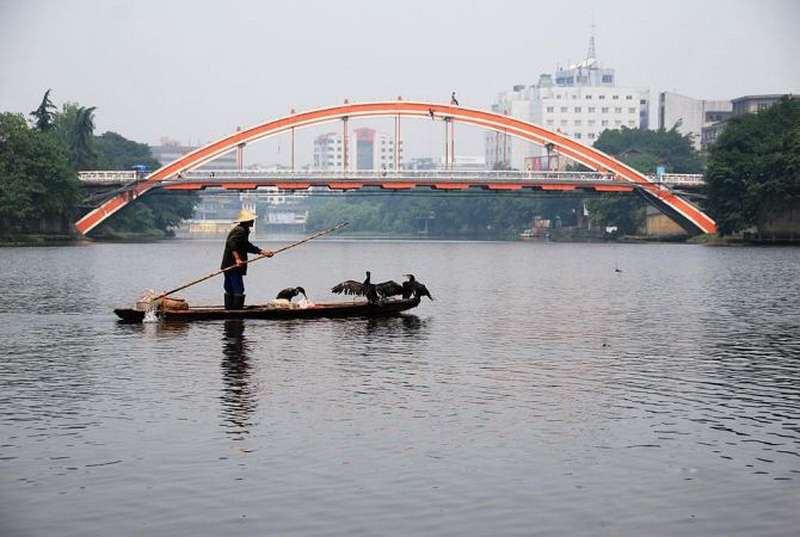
(75, 127)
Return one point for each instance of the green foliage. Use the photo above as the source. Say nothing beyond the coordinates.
(115, 152)
(627, 212)
(75, 127)
(470, 214)
(644, 149)
(754, 166)
(36, 178)
(44, 116)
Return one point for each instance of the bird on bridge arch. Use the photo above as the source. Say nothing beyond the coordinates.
(453, 99)
(375, 292)
(411, 287)
(290, 292)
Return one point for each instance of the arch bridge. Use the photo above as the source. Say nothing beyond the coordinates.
(610, 174)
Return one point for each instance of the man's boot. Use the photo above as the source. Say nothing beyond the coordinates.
(238, 302)
(229, 301)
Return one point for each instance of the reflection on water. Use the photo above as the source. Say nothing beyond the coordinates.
(239, 399)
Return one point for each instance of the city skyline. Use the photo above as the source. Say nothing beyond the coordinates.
(153, 71)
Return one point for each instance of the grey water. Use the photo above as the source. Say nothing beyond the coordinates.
(549, 390)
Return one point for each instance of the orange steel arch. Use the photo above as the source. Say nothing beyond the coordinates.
(588, 156)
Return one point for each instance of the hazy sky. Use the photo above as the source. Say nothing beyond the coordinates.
(193, 70)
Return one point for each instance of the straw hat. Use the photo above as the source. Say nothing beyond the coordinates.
(245, 216)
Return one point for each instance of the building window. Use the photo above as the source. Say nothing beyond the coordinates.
(604, 123)
(591, 135)
(632, 110)
(615, 97)
(588, 97)
(551, 109)
(577, 136)
(642, 101)
(550, 122)
(563, 108)
(602, 97)
(578, 122)
(591, 122)
(591, 109)
(604, 110)
(574, 96)
(608, 79)
(631, 123)
(577, 108)
(628, 97)
(618, 110)
(563, 121)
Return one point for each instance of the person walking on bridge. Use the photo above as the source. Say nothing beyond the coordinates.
(237, 246)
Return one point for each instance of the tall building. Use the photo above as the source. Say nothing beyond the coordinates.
(690, 116)
(580, 103)
(367, 149)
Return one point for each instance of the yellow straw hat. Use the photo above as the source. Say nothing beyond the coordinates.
(245, 216)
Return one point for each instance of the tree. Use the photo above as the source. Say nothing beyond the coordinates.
(43, 115)
(644, 149)
(115, 152)
(75, 127)
(754, 166)
(37, 181)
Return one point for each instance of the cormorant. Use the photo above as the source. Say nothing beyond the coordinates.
(453, 99)
(412, 287)
(290, 292)
(388, 289)
(352, 287)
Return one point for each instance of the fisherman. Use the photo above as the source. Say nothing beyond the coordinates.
(237, 246)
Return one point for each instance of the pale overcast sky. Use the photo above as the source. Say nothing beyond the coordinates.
(193, 70)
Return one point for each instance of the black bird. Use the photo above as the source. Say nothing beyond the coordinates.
(430, 112)
(412, 287)
(290, 292)
(453, 99)
(389, 289)
(352, 287)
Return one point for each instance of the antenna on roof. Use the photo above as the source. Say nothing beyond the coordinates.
(592, 53)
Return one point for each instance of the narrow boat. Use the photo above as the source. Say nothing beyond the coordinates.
(273, 311)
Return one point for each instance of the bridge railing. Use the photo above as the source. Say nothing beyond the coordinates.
(682, 179)
(108, 177)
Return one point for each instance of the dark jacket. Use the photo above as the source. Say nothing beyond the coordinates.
(238, 241)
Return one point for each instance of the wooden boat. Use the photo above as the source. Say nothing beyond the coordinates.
(272, 311)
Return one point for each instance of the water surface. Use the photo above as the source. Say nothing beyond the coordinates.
(543, 393)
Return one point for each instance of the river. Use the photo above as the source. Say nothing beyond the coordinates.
(548, 390)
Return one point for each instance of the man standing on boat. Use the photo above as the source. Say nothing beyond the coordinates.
(237, 246)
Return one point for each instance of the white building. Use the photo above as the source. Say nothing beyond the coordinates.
(367, 149)
(582, 102)
(690, 116)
